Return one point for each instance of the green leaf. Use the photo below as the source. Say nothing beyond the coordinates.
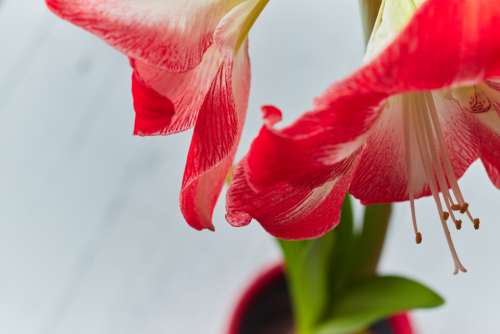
(343, 259)
(307, 264)
(376, 299)
(314, 269)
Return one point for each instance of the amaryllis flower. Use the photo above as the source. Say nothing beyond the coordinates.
(191, 69)
(407, 124)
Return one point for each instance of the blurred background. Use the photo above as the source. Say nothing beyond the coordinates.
(91, 237)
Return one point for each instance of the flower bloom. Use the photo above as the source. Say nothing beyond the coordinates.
(190, 69)
(425, 105)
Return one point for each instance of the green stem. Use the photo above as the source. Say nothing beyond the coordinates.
(316, 270)
(372, 239)
(295, 256)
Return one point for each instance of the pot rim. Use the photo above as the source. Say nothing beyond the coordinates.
(400, 323)
(269, 274)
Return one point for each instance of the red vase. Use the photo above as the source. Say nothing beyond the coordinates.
(264, 308)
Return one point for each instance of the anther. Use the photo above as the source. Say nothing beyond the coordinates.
(456, 207)
(464, 207)
(418, 238)
(445, 215)
(477, 223)
(458, 224)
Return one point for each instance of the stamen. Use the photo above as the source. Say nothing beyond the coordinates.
(458, 265)
(424, 154)
(477, 223)
(429, 141)
(447, 163)
(445, 216)
(418, 238)
(457, 222)
(462, 206)
(474, 221)
(418, 235)
(431, 129)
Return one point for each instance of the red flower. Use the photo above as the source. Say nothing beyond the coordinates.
(191, 69)
(406, 125)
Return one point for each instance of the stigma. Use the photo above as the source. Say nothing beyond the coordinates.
(428, 158)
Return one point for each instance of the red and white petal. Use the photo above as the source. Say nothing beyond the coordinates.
(170, 34)
(215, 138)
(382, 172)
(287, 211)
(382, 175)
(169, 102)
(233, 29)
(468, 39)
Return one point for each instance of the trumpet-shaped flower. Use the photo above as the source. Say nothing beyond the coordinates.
(191, 69)
(408, 124)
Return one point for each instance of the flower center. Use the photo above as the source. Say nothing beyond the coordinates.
(425, 146)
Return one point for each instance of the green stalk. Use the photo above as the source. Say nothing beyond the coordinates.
(293, 256)
(372, 239)
(316, 269)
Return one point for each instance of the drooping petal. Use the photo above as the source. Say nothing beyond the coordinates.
(287, 211)
(170, 34)
(216, 135)
(468, 39)
(191, 68)
(167, 102)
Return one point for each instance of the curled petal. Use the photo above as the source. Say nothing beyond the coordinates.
(170, 34)
(287, 211)
(215, 138)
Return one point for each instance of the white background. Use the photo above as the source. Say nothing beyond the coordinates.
(91, 238)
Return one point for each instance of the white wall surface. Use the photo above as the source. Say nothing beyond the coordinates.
(91, 237)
